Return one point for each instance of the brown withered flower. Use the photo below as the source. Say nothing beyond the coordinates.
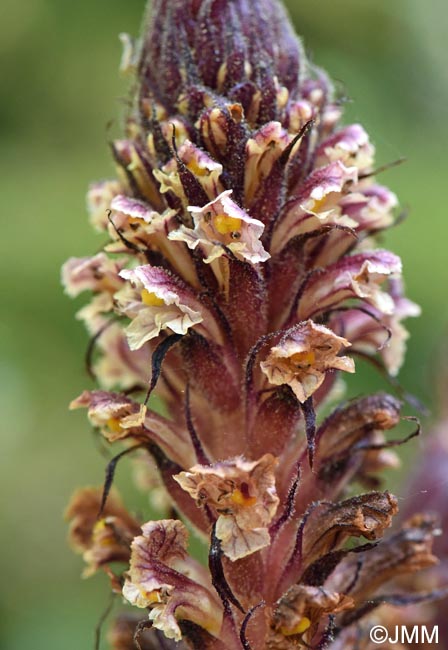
(240, 275)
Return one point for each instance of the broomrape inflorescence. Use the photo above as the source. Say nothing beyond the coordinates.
(240, 274)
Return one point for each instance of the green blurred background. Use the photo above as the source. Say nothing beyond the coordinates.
(60, 90)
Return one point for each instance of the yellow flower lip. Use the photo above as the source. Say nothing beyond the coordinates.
(102, 540)
(241, 499)
(226, 225)
(318, 204)
(194, 167)
(136, 220)
(305, 358)
(151, 299)
(151, 596)
(113, 424)
(302, 626)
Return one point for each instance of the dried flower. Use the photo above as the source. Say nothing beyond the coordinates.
(303, 357)
(242, 494)
(160, 578)
(240, 276)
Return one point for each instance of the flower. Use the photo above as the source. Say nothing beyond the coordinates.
(206, 171)
(98, 274)
(99, 199)
(241, 275)
(155, 302)
(113, 413)
(373, 330)
(303, 357)
(159, 579)
(357, 276)
(103, 540)
(242, 494)
(119, 418)
(318, 203)
(350, 145)
(126, 627)
(303, 607)
(221, 226)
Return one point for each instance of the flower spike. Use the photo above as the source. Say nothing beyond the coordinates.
(240, 277)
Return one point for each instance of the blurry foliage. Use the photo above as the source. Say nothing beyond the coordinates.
(60, 91)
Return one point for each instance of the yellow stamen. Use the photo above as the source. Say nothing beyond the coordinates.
(241, 499)
(301, 627)
(305, 358)
(149, 298)
(113, 424)
(225, 224)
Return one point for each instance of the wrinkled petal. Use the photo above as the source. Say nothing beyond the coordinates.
(242, 494)
(343, 434)
(121, 635)
(118, 366)
(370, 206)
(381, 333)
(120, 418)
(159, 579)
(407, 551)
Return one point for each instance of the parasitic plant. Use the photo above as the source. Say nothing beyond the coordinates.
(240, 278)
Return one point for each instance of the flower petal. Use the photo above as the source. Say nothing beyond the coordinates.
(140, 213)
(380, 333)
(120, 418)
(263, 149)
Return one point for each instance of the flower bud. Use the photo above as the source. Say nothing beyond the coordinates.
(233, 48)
